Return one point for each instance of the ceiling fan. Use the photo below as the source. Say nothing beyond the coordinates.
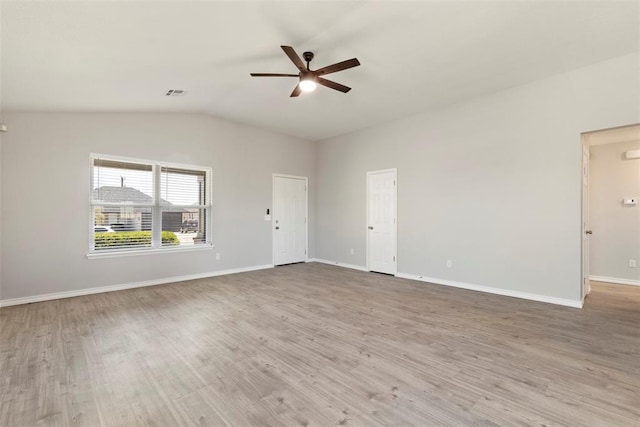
(309, 79)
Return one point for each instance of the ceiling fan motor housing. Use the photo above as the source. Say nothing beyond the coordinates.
(309, 75)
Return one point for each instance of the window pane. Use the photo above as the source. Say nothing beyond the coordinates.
(126, 195)
(122, 182)
(182, 187)
(187, 225)
(117, 227)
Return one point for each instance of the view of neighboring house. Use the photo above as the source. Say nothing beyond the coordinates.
(138, 216)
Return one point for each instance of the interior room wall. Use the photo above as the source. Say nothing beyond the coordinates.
(45, 190)
(616, 227)
(492, 184)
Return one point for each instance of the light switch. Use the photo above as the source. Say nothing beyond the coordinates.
(267, 217)
(630, 202)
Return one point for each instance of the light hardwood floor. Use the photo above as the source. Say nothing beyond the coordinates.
(313, 344)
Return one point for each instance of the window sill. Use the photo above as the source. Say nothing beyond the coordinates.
(150, 251)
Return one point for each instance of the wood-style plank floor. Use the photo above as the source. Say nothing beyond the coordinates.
(318, 345)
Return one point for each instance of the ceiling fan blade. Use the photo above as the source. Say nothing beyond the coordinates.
(296, 91)
(293, 56)
(349, 63)
(333, 85)
(273, 75)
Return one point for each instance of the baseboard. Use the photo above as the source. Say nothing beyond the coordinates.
(339, 264)
(480, 288)
(615, 280)
(497, 291)
(469, 286)
(112, 288)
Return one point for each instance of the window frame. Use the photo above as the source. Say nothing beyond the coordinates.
(156, 208)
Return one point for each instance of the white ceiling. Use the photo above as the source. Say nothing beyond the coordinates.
(124, 56)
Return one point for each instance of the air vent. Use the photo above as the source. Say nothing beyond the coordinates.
(175, 92)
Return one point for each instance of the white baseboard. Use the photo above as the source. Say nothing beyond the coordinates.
(487, 289)
(497, 291)
(339, 264)
(469, 286)
(111, 288)
(615, 280)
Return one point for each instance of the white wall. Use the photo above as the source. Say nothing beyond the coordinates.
(492, 184)
(45, 190)
(616, 227)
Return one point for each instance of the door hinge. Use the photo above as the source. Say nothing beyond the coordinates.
(394, 182)
(394, 258)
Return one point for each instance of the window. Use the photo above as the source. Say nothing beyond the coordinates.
(146, 205)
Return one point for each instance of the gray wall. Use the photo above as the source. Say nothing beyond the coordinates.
(493, 184)
(45, 190)
(616, 227)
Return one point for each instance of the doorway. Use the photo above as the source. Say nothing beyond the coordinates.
(289, 225)
(382, 221)
(610, 188)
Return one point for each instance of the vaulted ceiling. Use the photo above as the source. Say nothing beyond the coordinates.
(123, 56)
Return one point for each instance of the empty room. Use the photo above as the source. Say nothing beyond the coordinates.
(318, 213)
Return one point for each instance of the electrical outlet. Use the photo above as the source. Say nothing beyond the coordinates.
(352, 251)
(633, 263)
(218, 256)
(449, 263)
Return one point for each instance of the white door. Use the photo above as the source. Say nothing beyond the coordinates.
(585, 220)
(381, 221)
(289, 219)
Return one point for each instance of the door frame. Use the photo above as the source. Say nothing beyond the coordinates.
(585, 283)
(395, 223)
(306, 214)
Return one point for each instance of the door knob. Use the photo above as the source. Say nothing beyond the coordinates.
(370, 228)
(589, 232)
(277, 228)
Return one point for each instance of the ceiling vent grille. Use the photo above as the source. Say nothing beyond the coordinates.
(175, 92)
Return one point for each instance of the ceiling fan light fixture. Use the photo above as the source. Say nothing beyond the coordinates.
(308, 85)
